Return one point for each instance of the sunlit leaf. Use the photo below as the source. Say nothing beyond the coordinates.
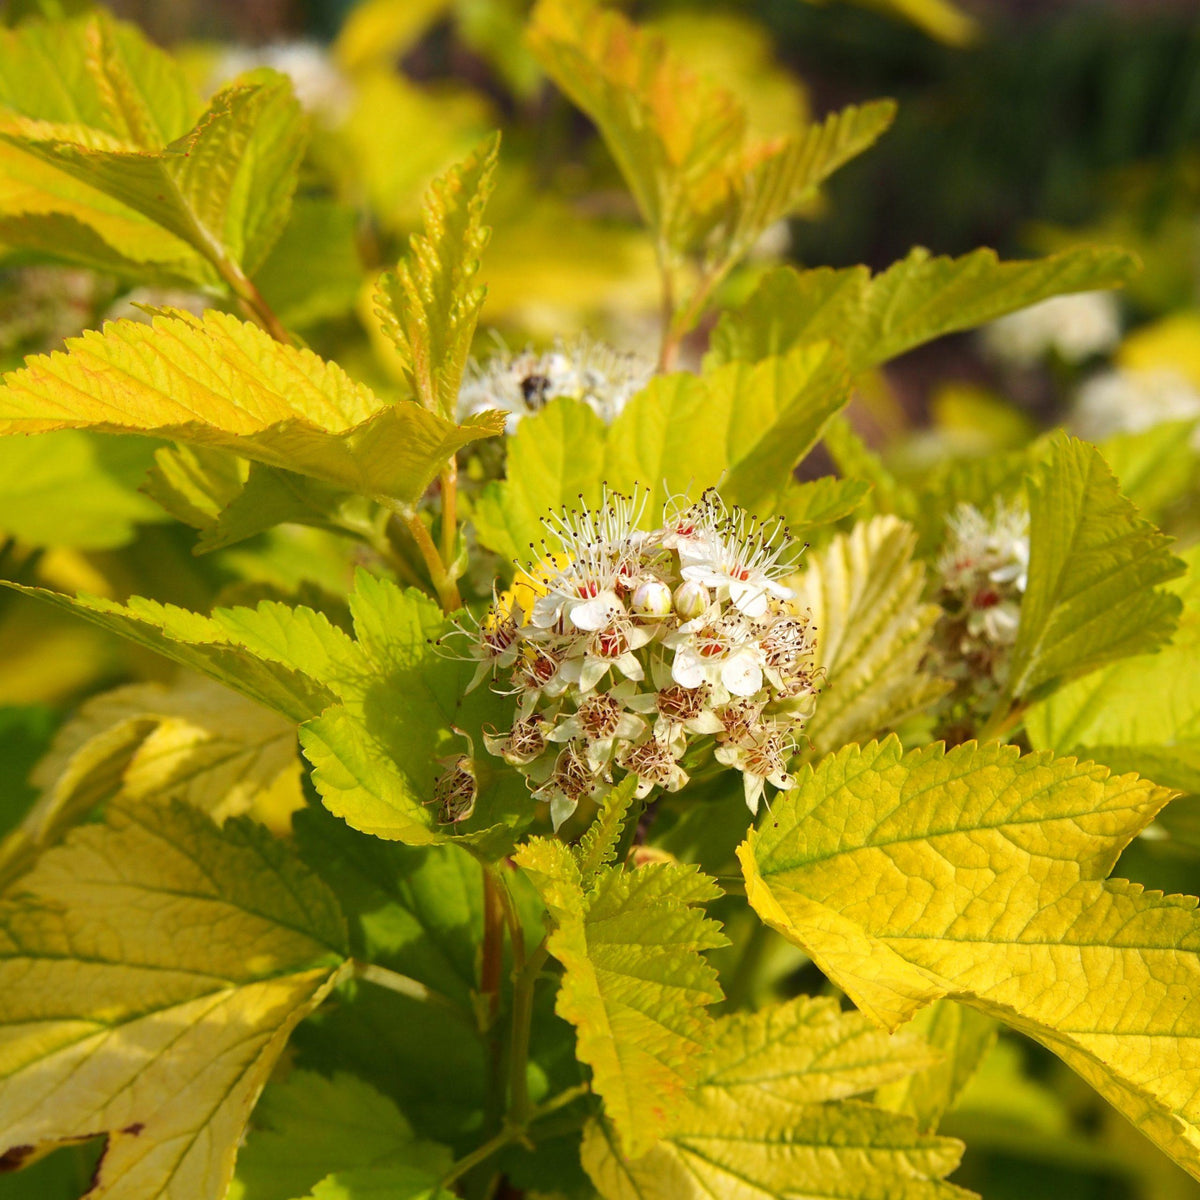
(223, 383)
(765, 1120)
(1093, 569)
(965, 1037)
(978, 874)
(195, 741)
(133, 1007)
(430, 305)
(875, 318)
(636, 985)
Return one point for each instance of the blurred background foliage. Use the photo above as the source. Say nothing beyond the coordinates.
(1025, 126)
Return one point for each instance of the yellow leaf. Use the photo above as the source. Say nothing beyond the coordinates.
(872, 631)
(152, 970)
(765, 1119)
(979, 874)
(635, 985)
(195, 740)
(217, 381)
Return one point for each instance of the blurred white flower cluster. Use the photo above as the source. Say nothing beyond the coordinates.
(1129, 400)
(1074, 327)
(647, 651)
(983, 571)
(602, 378)
(320, 86)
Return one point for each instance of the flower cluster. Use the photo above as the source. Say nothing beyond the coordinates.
(522, 384)
(1074, 327)
(983, 572)
(1130, 400)
(644, 651)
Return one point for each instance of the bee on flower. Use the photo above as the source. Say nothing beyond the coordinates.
(649, 647)
(521, 384)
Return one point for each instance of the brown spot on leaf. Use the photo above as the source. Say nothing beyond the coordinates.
(134, 1129)
(12, 1159)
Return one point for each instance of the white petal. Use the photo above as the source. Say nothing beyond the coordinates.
(629, 666)
(688, 669)
(560, 809)
(748, 596)
(546, 610)
(592, 671)
(754, 790)
(596, 613)
(741, 674)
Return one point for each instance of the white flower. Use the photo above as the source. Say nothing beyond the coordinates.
(1075, 327)
(683, 625)
(1129, 401)
(599, 376)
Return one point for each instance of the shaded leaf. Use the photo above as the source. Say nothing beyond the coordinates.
(872, 631)
(307, 1127)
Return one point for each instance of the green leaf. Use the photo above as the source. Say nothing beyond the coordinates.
(636, 985)
(314, 271)
(978, 874)
(380, 1183)
(965, 1036)
(133, 1007)
(218, 646)
(872, 632)
(1093, 567)
(195, 741)
(744, 426)
(26, 731)
(307, 1127)
(430, 305)
(418, 911)
(809, 507)
(766, 1118)
(1156, 467)
(102, 80)
(597, 848)
(220, 382)
(73, 489)
(681, 142)
(556, 457)
(224, 188)
(1142, 713)
(874, 319)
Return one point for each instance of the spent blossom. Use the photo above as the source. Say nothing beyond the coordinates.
(522, 384)
(983, 571)
(648, 652)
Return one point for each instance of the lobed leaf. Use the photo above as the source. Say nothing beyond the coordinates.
(872, 632)
(965, 1037)
(768, 1119)
(744, 426)
(1142, 713)
(681, 142)
(876, 318)
(978, 874)
(1093, 567)
(220, 382)
(307, 1127)
(430, 305)
(133, 1007)
(597, 848)
(635, 986)
(195, 741)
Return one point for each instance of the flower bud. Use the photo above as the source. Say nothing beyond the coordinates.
(652, 599)
(691, 599)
